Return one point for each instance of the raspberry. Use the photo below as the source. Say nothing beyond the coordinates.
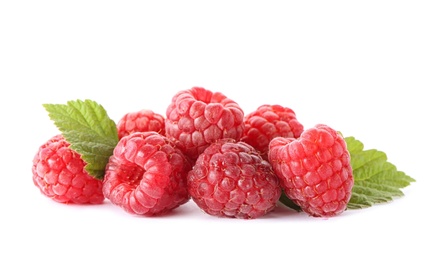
(314, 169)
(197, 117)
(230, 179)
(268, 122)
(140, 121)
(146, 175)
(58, 171)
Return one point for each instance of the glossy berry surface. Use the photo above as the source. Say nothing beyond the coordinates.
(146, 175)
(140, 121)
(197, 117)
(314, 170)
(230, 179)
(268, 122)
(58, 171)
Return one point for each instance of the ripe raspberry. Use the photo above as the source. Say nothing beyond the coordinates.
(197, 117)
(58, 171)
(314, 170)
(140, 121)
(268, 122)
(230, 179)
(146, 175)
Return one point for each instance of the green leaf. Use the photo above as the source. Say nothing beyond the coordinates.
(375, 179)
(88, 129)
(288, 202)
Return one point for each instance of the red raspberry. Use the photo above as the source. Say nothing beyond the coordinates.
(58, 171)
(230, 179)
(268, 122)
(146, 175)
(315, 170)
(140, 121)
(197, 117)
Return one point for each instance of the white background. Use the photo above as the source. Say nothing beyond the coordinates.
(361, 67)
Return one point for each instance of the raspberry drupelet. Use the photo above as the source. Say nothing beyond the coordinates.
(230, 179)
(140, 121)
(59, 172)
(314, 169)
(197, 117)
(268, 122)
(146, 175)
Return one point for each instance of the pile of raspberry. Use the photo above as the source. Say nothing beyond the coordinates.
(205, 149)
